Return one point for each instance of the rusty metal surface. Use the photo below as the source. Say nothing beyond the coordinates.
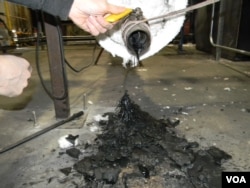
(57, 67)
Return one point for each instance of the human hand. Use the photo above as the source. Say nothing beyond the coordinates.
(89, 15)
(14, 74)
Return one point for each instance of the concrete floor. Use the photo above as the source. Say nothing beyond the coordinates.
(211, 100)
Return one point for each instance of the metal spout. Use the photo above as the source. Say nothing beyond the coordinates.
(136, 36)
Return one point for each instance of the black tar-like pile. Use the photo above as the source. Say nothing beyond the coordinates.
(136, 150)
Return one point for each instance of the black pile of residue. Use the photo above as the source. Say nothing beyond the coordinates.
(136, 150)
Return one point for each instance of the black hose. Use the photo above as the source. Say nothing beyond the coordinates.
(93, 61)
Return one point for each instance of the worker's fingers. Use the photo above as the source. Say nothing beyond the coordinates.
(95, 27)
(85, 27)
(103, 22)
(92, 28)
(23, 62)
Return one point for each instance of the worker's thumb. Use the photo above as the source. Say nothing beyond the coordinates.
(113, 9)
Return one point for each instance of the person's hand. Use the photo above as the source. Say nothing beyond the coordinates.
(14, 74)
(89, 15)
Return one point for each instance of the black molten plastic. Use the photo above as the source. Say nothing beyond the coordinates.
(136, 150)
(138, 42)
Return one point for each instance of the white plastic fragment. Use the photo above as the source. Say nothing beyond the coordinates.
(94, 128)
(64, 143)
(227, 89)
(166, 107)
(99, 117)
(191, 107)
(184, 113)
(188, 88)
(142, 70)
(90, 102)
(243, 110)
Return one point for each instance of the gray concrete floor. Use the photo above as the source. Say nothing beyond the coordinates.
(213, 97)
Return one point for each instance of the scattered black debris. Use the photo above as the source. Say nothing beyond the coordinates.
(86, 145)
(102, 122)
(73, 152)
(136, 150)
(30, 119)
(172, 123)
(218, 155)
(70, 138)
(66, 171)
(50, 179)
(53, 150)
(178, 111)
(61, 153)
(144, 170)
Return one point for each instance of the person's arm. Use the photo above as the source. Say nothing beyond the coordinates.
(58, 8)
(89, 15)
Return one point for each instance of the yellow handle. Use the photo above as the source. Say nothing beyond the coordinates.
(116, 17)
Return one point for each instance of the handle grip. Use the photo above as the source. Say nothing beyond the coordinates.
(116, 17)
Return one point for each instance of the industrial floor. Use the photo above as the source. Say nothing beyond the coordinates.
(211, 99)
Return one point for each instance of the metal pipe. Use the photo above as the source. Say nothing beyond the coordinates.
(136, 37)
(65, 38)
(220, 29)
(221, 46)
(32, 136)
(182, 11)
